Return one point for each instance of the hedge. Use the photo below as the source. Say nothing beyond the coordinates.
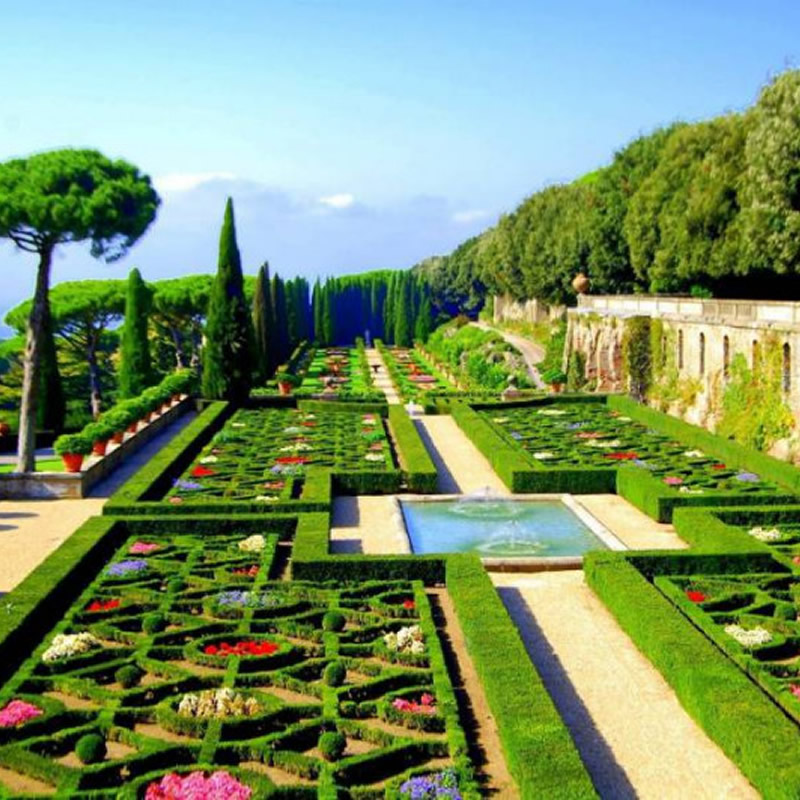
(537, 745)
(153, 479)
(54, 584)
(659, 502)
(731, 709)
(418, 467)
(732, 453)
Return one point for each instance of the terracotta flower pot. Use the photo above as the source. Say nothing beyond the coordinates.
(117, 437)
(99, 447)
(133, 427)
(72, 461)
(556, 388)
(284, 388)
(176, 398)
(581, 283)
(5, 429)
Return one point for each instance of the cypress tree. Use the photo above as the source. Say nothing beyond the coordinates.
(263, 325)
(281, 320)
(389, 309)
(316, 311)
(293, 312)
(227, 357)
(52, 407)
(403, 324)
(135, 369)
(327, 313)
(424, 322)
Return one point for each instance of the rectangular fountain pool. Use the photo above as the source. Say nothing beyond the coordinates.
(503, 527)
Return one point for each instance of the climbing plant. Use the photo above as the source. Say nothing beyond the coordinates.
(636, 349)
(754, 411)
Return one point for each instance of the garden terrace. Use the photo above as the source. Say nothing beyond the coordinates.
(721, 629)
(264, 455)
(595, 444)
(335, 373)
(413, 377)
(188, 655)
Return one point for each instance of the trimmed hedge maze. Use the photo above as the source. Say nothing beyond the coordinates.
(183, 662)
(587, 444)
(264, 455)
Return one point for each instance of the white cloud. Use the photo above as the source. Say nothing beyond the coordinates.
(470, 215)
(186, 181)
(338, 201)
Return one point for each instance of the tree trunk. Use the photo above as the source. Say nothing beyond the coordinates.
(177, 340)
(40, 311)
(94, 376)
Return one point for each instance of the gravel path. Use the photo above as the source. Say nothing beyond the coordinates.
(630, 729)
(531, 351)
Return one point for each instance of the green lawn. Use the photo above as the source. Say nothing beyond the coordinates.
(42, 465)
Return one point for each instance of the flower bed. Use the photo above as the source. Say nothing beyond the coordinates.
(264, 455)
(590, 435)
(298, 661)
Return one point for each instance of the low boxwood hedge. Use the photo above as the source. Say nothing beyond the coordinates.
(752, 731)
(418, 468)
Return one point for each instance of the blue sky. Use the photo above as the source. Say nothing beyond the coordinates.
(359, 134)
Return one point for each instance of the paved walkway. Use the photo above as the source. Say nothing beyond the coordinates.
(31, 529)
(461, 466)
(531, 351)
(382, 380)
(370, 524)
(632, 733)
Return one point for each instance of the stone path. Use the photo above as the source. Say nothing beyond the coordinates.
(367, 524)
(31, 529)
(531, 351)
(630, 729)
(462, 467)
(382, 380)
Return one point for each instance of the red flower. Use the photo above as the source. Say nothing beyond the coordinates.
(292, 460)
(108, 605)
(248, 648)
(409, 604)
(718, 466)
(695, 596)
(622, 456)
(202, 472)
(211, 650)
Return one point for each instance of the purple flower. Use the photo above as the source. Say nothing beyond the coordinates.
(187, 486)
(442, 784)
(747, 477)
(516, 435)
(574, 426)
(127, 567)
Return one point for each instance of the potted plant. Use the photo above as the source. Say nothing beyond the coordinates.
(72, 447)
(555, 378)
(99, 434)
(5, 428)
(287, 381)
(117, 421)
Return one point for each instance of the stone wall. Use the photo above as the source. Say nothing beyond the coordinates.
(506, 309)
(703, 336)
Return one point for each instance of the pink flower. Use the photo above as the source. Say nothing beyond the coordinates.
(219, 785)
(142, 548)
(673, 480)
(18, 712)
(795, 690)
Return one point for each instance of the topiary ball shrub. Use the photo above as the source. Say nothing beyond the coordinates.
(154, 623)
(333, 621)
(128, 676)
(332, 745)
(335, 673)
(91, 748)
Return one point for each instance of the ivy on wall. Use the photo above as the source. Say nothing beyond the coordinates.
(637, 356)
(753, 410)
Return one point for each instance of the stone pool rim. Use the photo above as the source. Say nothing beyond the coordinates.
(519, 563)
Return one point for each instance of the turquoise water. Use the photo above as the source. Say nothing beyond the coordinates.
(498, 528)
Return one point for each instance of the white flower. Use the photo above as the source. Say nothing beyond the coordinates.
(623, 419)
(406, 640)
(67, 645)
(765, 534)
(543, 456)
(551, 412)
(694, 454)
(253, 544)
(749, 638)
(374, 457)
(500, 420)
(209, 460)
(605, 444)
(689, 490)
(265, 498)
(292, 429)
(238, 425)
(218, 703)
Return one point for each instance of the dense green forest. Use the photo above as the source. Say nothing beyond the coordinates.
(711, 207)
